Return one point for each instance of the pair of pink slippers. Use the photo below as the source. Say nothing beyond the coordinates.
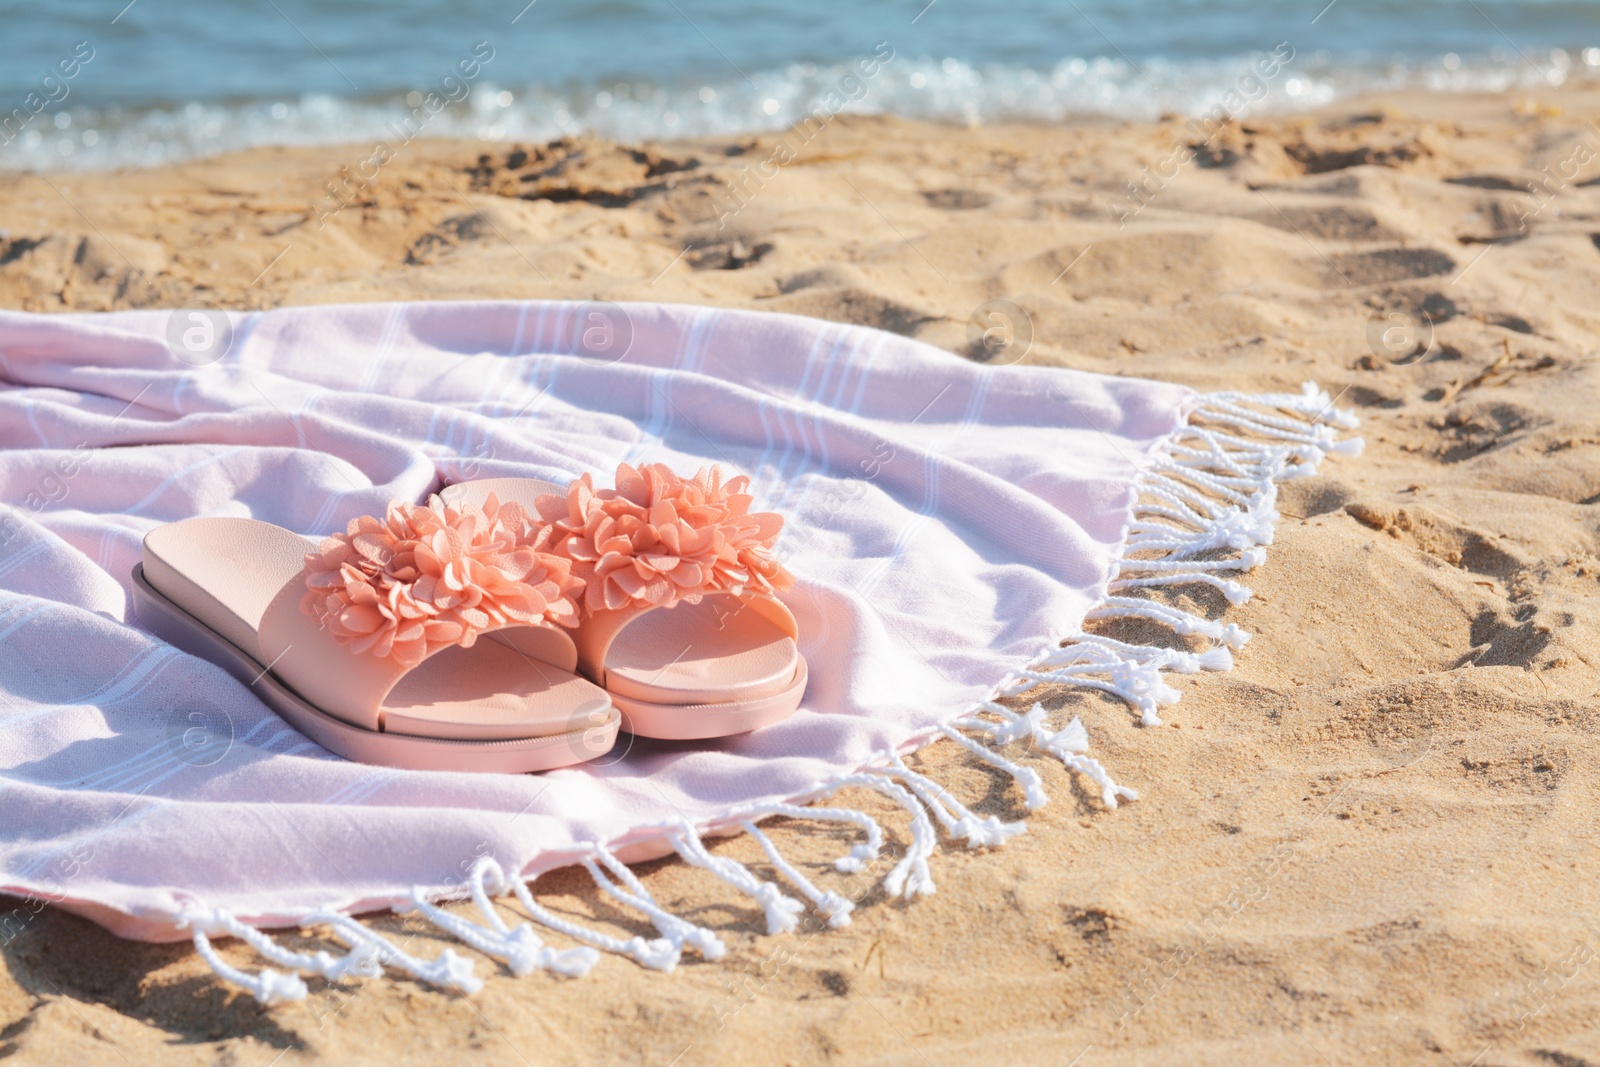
(649, 608)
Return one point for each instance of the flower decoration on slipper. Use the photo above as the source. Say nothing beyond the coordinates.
(423, 577)
(659, 538)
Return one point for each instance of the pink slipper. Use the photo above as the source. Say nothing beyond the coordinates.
(368, 643)
(680, 621)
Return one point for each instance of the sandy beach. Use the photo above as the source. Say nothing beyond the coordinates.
(1372, 842)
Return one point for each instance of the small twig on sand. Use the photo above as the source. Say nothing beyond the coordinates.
(1457, 387)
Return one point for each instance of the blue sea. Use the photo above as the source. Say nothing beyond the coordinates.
(106, 83)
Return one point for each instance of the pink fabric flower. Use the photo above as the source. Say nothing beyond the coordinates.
(658, 538)
(422, 578)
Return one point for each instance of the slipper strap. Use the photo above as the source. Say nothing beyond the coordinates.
(353, 685)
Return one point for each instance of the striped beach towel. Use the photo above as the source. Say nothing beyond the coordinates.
(954, 528)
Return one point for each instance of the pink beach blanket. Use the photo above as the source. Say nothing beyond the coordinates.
(949, 523)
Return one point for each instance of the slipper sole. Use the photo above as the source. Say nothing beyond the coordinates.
(699, 722)
(177, 627)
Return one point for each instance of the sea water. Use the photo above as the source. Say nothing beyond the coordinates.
(101, 83)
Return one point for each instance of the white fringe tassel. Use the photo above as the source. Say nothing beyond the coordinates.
(783, 912)
(369, 955)
(521, 948)
(910, 877)
(659, 954)
(836, 907)
(1069, 745)
(957, 819)
(1212, 492)
(678, 932)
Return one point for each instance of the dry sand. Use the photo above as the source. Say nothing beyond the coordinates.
(1373, 842)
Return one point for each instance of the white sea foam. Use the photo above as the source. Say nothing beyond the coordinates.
(914, 86)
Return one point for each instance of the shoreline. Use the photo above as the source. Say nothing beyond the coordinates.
(49, 124)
